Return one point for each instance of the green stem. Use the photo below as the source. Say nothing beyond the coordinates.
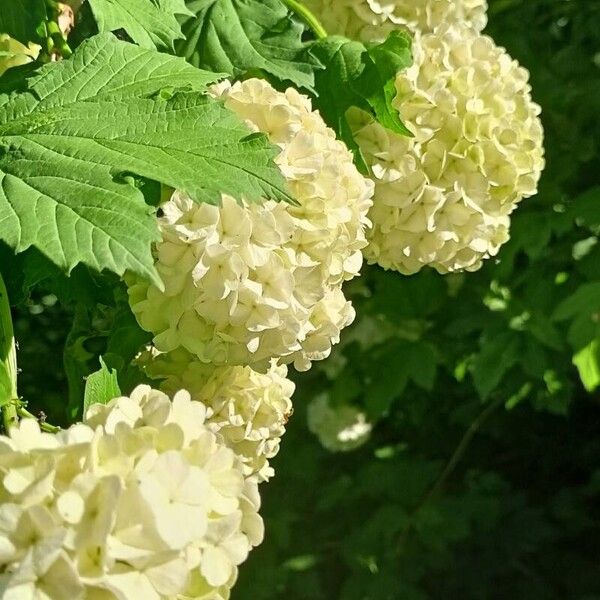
(23, 412)
(460, 450)
(450, 466)
(307, 16)
(12, 406)
(8, 362)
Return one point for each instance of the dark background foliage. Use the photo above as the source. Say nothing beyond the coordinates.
(482, 477)
(476, 367)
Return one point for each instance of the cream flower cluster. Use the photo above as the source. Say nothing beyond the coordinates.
(249, 282)
(443, 198)
(14, 54)
(373, 20)
(140, 501)
(339, 428)
(248, 409)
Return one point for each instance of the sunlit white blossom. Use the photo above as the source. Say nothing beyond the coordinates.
(444, 197)
(136, 502)
(368, 20)
(245, 283)
(248, 409)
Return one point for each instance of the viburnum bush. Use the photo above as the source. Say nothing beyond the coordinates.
(195, 184)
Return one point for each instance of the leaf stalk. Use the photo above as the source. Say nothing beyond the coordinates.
(307, 16)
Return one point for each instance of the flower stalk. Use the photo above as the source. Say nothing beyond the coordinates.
(25, 414)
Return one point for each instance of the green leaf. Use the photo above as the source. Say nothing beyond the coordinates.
(357, 76)
(104, 326)
(68, 144)
(106, 69)
(497, 356)
(386, 378)
(125, 338)
(586, 207)
(545, 331)
(582, 308)
(76, 359)
(101, 387)
(20, 19)
(149, 23)
(533, 245)
(585, 300)
(237, 36)
(343, 64)
(422, 363)
(389, 58)
(587, 362)
(346, 387)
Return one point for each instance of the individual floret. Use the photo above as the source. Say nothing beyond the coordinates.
(248, 409)
(444, 197)
(141, 501)
(372, 20)
(245, 283)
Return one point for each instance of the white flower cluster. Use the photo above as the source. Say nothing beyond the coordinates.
(339, 428)
(140, 501)
(14, 54)
(373, 20)
(249, 282)
(248, 409)
(443, 198)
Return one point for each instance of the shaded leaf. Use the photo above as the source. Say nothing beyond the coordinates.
(497, 356)
(357, 76)
(422, 364)
(20, 19)
(387, 377)
(237, 36)
(584, 301)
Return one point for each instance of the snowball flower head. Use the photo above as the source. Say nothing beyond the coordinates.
(14, 54)
(143, 500)
(249, 282)
(444, 197)
(248, 409)
(373, 20)
(339, 428)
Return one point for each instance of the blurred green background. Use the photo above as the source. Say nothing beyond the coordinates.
(481, 479)
(476, 367)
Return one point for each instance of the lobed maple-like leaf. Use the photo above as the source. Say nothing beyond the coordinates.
(69, 144)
